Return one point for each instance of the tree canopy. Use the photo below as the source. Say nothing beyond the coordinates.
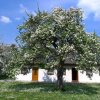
(4, 59)
(48, 39)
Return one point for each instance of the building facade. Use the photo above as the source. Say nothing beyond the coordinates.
(70, 75)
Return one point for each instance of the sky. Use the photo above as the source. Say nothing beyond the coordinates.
(12, 14)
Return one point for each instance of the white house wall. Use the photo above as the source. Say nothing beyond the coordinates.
(83, 78)
(27, 77)
(44, 77)
(68, 76)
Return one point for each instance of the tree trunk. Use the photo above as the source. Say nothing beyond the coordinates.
(60, 78)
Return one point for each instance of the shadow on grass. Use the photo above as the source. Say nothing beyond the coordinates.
(69, 88)
(79, 88)
(33, 86)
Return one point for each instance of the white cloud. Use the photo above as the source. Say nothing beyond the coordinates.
(5, 19)
(18, 18)
(90, 7)
(48, 5)
(34, 13)
(23, 9)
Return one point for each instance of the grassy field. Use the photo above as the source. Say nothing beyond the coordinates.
(47, 91)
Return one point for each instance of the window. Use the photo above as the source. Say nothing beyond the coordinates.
(89, 73)
(99, 71)
(24, 70)
(64, 73)
(50, 72)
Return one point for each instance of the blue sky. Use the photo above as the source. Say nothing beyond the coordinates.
(12, 13)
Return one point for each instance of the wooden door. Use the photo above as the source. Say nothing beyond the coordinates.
(35, 74)
(74, 75)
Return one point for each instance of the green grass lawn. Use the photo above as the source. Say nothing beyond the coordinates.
(47, 91)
